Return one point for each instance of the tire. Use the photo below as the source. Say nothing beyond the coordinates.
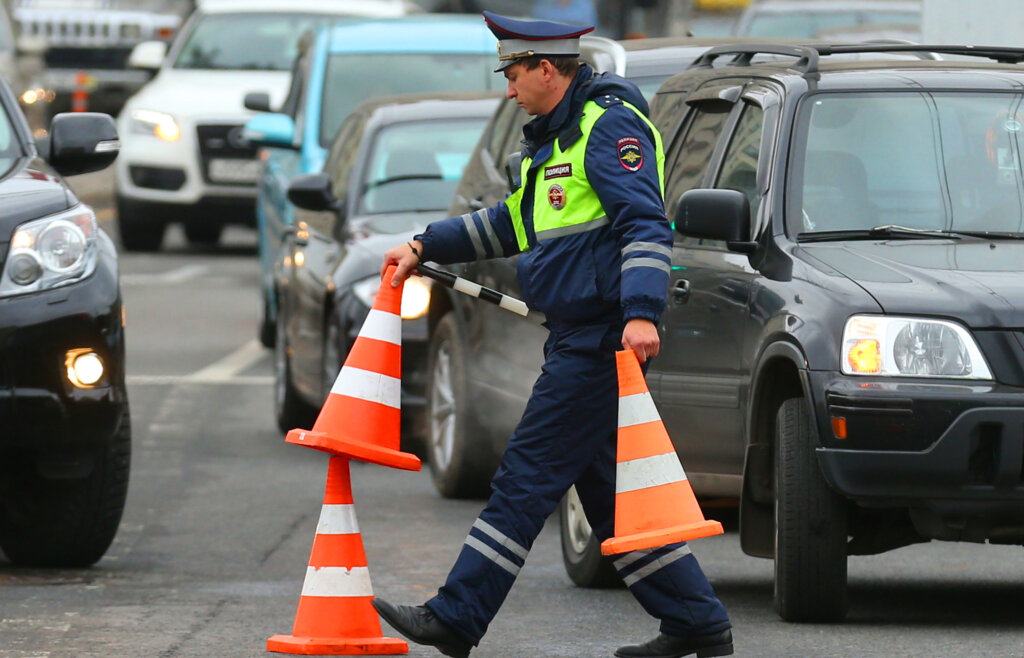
(458, 466)
(290, 410)
(581, 551)
(333, 354)
(138, 232)
(810, 525)
(203, 234)
(267, 331)
(68, 523)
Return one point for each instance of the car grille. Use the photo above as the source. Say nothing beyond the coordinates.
(88, 58)
(223, 143)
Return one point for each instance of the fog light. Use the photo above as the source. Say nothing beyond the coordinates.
(415, 298)
(85, 367)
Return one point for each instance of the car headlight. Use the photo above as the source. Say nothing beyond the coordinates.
(415, 295)
(50, 252)
(158, 124)
(910, 347)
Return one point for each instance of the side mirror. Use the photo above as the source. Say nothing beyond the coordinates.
(81, 142)
(716, 215)
(257, 101)
(148, 55)
(270, 130)
(513, 170)
(312, 192)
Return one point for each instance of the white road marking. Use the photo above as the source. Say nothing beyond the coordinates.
(170, 277)
(234, 363)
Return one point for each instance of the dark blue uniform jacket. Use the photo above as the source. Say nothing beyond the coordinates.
(612, 274)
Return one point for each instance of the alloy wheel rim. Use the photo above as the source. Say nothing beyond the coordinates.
(442, 410)
(576, 522)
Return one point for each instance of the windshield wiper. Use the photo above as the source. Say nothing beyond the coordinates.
(884, 231)
(394, 179)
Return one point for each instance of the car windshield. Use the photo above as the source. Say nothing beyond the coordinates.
(806, 24)
(922, 160)
(417, 165)
(355, 77)
(10, 147)
(267, 42)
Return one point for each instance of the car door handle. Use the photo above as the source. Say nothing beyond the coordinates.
(681, 291)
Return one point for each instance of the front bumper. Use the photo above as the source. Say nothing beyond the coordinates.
(42, 412)
(957, 447)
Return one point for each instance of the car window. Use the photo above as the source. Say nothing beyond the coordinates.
(739, 166)
(10, 147)
(687, 161)
(343, 154)
(922, 160)
(352, 78)
(417, 165)
(267, 42)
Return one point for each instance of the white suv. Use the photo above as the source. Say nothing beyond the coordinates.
(183, 158)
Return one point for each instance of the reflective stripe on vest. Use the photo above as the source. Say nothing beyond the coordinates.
(564, 203)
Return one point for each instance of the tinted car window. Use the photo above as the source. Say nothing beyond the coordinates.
(739, 167)
(267, 42)
(355, 77)
(923, 160)
(343, 155)
(417, 165)
(687, 163)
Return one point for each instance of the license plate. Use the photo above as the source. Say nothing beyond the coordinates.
(234, 171)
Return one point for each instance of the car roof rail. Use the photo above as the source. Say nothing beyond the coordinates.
(808, 55)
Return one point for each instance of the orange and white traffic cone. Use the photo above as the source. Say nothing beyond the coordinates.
(654, 502)
(335, 616)
(80, 94)
(361, 418)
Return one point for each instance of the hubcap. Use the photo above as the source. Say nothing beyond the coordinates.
(280, 365)
(576, 522)
(442, 410)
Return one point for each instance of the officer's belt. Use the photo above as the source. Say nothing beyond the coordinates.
(562, 231)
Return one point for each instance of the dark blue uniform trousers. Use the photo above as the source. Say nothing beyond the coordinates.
(567, 435)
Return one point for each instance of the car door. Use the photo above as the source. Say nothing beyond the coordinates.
(701, 378)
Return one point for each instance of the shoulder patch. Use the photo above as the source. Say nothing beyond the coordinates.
(631, 154)
(608, 100)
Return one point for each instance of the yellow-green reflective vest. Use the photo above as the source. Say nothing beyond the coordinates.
(564, 203)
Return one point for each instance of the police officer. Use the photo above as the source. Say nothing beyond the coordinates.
(589, 221)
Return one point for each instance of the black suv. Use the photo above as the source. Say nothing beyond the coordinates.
(64, 427)
(843, 348)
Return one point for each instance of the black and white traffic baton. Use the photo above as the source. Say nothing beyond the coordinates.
(474, 289)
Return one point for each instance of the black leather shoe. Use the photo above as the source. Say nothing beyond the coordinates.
(673, 646)
(421, 625)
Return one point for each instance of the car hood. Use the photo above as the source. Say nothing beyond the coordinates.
(374, 235)
(185, 93)
(29, 191)
(977, 281)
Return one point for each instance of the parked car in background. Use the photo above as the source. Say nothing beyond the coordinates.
(65, 431)
(338, 68)
(831, 19)
(392, 168)
(184, 158)
(85, 46)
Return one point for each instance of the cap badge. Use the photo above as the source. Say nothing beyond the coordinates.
(556, 196)
(631, 155)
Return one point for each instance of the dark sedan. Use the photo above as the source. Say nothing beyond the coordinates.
(64, 423)
(393, 168)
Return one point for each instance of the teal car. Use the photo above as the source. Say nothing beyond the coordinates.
(337, 68)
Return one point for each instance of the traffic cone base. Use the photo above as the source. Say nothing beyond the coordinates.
(654, 501)
(356, 449)
(328, 646)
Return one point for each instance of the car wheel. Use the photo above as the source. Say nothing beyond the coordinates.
(581, 551)
(138, 232)
(290, 410)
(203, 233)
(68, 522)
(810, 525)
(333, 354)
(456, 463)
(267, 326)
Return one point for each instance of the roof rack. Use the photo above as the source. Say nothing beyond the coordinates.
(808, 56)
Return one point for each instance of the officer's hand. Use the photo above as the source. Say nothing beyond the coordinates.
(641, 336)
(404, 259)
